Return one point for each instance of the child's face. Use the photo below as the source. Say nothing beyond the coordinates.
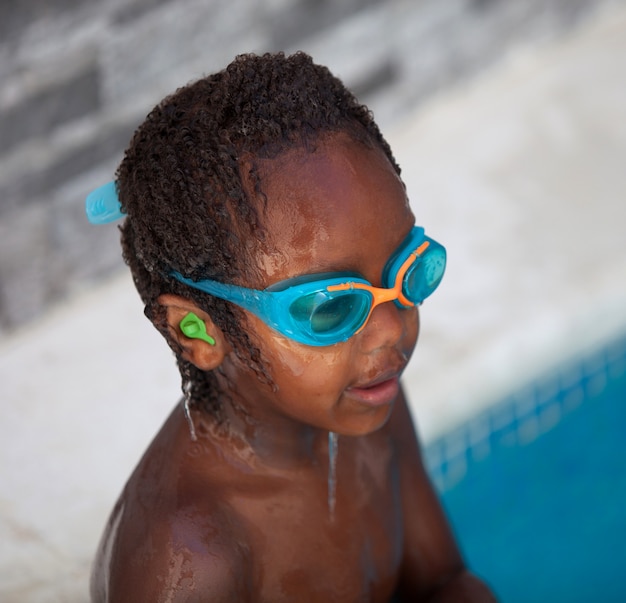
(341, 208)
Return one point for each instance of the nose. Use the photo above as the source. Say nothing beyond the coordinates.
(387, 326)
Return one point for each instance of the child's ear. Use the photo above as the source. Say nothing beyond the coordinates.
(203, 345)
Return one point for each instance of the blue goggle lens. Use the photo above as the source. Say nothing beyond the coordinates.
(321, 313)
(424, 275)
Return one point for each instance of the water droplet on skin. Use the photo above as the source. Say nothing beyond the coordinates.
(333, 441)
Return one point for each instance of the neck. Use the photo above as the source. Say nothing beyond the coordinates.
(256, 434)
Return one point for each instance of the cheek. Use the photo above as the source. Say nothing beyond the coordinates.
(310, 369)
(414, 325)
(410, 332)
(294, 367)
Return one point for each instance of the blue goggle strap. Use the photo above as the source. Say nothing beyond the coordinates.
(264, 304)
(253, 300)
(273, 306)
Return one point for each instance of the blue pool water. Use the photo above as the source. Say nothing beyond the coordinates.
(535, 488)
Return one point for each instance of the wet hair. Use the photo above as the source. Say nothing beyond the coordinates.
(192, 194)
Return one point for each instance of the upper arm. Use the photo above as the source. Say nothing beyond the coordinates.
(431, 556)
(174, 560)
(178, 577)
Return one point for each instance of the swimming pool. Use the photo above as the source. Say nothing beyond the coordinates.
(535, 487)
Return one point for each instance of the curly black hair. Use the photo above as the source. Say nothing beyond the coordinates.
(181, 183)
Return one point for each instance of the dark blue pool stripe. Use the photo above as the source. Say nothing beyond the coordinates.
(525, 415)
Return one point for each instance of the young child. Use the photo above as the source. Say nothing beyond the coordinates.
(270, 237)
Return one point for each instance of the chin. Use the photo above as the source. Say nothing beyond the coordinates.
(364, 425)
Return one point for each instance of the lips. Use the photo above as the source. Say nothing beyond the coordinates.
(380, 391)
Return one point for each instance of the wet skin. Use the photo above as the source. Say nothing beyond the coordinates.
(242, 513)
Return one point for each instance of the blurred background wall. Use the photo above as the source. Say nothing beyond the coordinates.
(79, 75)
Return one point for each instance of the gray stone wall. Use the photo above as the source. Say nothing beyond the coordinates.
(78, 76)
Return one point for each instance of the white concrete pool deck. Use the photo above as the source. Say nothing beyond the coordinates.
(520, 173)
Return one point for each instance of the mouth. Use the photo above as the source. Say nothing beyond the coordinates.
(378, 392)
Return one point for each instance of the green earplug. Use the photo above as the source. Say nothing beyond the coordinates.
(194, 328)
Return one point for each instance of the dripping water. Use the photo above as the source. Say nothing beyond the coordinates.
(333, 440)
(186, 404)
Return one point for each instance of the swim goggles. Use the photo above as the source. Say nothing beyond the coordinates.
(325, 309)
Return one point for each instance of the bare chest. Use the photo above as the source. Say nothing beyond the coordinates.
(309, 544)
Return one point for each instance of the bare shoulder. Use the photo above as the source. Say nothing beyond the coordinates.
(170, 536)
(187, 557)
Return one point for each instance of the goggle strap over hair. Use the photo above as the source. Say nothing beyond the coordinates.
(103, 205)
(248, 299)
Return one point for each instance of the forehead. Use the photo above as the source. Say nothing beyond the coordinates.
(337, 207)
